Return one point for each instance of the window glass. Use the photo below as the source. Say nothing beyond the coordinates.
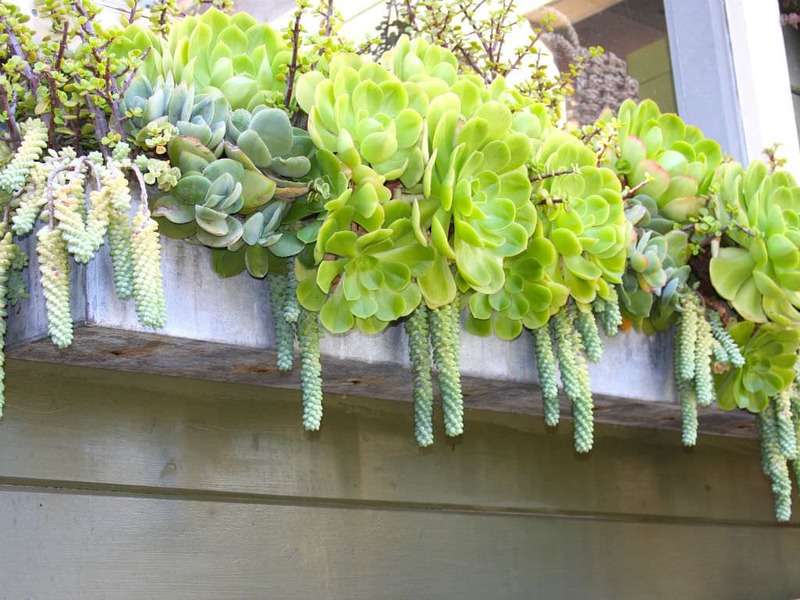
(635, 62)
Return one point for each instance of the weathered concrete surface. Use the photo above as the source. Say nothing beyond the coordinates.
(221, 329)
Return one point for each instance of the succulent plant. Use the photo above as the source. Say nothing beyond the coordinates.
(583, 215)
(758, 268)
(265, 140)
(666, 159)
(234, 54)
(205, 202)
(479, 186)
(770, 355)
(529, 295)
(366, 279)
(364, 113)
(656, 278)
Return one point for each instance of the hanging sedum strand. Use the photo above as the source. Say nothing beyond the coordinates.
(773, 463)
(419, 352)
(15, 173)
(548, 374)
(574, 376)
(445, 334)
(148, 287)
(308, 335)
(6, 255)
(54, 269)
(280, 293)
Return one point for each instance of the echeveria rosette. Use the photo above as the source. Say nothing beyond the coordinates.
(436, 71)
(770, 355)
(232, 53)
(528, 298)
(657, 273)
(583, 216)
(364, 114)
(676, 158)
(366, 280)
(277, 157)
(152, 108)
(477, 184)
(420, 61)
(205, 203)
(758, 268)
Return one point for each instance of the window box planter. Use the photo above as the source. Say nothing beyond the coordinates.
(220, 329)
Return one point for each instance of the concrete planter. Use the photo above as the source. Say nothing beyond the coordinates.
(220, 329)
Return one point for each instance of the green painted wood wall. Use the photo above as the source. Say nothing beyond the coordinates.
(118, 486)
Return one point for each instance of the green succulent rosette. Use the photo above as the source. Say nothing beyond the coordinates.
(758, 268)
(232, 53)
(475, 184)
(367, 256)
(583, 216)
(770, 354)
(420, 61)
(673, 162)
(365, 114)
(155, 113)
(203, 204)
(528, 298)
(657, 272)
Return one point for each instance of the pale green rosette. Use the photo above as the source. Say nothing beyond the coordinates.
(758, 268)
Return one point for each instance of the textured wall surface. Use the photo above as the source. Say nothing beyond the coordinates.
(122, 485)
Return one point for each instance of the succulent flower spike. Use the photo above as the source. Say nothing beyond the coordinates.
(672, 161)
(234, 54)
(770, 355)
(758, 267)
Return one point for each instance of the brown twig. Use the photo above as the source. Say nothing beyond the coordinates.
(16, 49)
(633, 191)
(293, 64)
(10, 110)
(553, 174)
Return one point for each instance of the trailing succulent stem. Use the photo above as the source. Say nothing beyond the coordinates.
(548, 374)
(589, 335)
(281, 293)
(574, 376)
(308, 336)
(688, 401)
(695, 357)
(609, 315)
(6, 252)
(445, 335)
(419, 351)
(774, 464)
(54, 269)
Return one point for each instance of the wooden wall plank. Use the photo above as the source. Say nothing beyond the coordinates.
(88, 428)
(58, 546)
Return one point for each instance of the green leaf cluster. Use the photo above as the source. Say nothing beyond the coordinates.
(236, 55)
(758, 268)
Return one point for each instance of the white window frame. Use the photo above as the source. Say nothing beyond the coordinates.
(731, 75)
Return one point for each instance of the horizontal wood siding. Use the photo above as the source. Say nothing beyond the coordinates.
(120, 485)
